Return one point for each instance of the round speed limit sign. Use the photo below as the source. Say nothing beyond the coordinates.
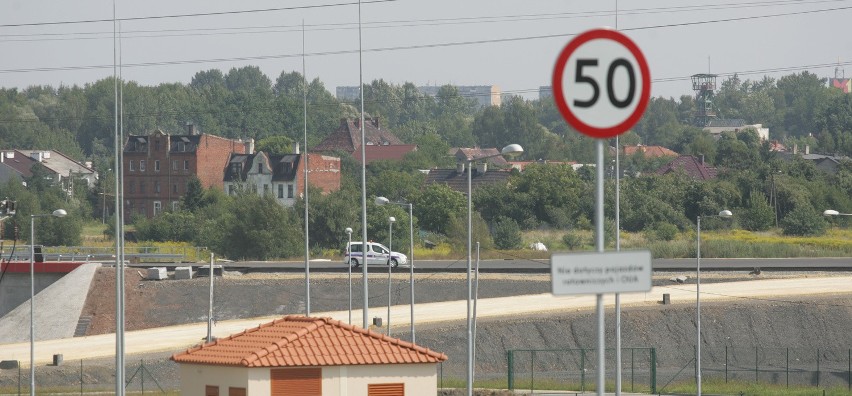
(601, 83)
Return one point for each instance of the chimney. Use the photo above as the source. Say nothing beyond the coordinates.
(249, 145)
(296, 148)
(190, 128)
(460, 167)
(807, 149)
(482, 167)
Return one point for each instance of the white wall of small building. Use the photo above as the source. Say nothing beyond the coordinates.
(195, 377)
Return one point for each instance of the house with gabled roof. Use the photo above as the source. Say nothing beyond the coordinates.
(480, 175)
(308, 356)
(381, 144)
(693, 166)
(281, 175)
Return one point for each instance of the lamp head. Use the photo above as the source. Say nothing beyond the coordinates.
(391, 219)
(512, 150)
(382, 201)
(725, 213)
(60, 213)
(830, 212)
(348, 230)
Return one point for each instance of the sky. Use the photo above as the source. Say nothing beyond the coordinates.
(510, 44)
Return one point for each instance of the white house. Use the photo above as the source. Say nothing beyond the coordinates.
(313, 356)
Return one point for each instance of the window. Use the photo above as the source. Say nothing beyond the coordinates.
(289, 191)
(292, 381)
(174, 189)
(259, 168)
(266, 189)
(158, 207)
(211, 390)
(280, 191)
(142, 165)
(157, 145)
(141, 187)
(157, 187)
(397, 389)
(131, 187)
(132, 168)
(156, 165)
(175, 206)
(175, 165)
(185, 164)
(236, 391)
(142, 211)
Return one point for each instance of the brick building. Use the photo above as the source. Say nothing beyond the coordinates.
(157, 167)
(381, 143)
(281, 175)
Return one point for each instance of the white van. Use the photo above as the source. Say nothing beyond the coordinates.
(376, 254)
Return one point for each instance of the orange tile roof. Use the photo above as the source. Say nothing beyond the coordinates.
(304, 341)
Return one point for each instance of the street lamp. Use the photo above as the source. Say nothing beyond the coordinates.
(509, 151)
(724, 214)
(385, 201)
(391, 220)
(831, 212)
(56, 213)
(349, 265)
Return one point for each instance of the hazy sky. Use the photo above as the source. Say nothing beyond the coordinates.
(511, 44)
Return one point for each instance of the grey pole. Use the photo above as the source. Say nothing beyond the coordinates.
(599, 236)
(307, 237)
(617, 248)
(475, 301)
(349, 270)
(366, 312)
(210, 304)
(411, 264)
(698, 307)
(469, 373)
(391, 220)
(32, 309)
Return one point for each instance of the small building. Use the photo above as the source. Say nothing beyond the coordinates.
(62, 169)
(480, 176)
(693, 166)
(736, 125)
(381, 143)
(308, 356)
(282, 175)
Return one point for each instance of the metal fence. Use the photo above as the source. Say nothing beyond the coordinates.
(89, 377)
(644, 371)
(107, 253)
(574, 369)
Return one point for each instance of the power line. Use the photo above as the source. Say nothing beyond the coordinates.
(410, 47)
(200, 14)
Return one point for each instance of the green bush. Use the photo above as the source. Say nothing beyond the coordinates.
(803, 220)
(662, 231)
(759, 216)
(572, 241)
(506, 234)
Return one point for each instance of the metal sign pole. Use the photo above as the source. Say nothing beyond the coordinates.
(599, 245)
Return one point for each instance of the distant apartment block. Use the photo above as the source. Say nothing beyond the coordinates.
(485, 95)
(158, 166)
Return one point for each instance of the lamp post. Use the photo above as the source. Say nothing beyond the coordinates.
(831, 212)
(724, 214)
(391, 220)
(509, 151)
(385, 201)
(349, 269)
(56, 213)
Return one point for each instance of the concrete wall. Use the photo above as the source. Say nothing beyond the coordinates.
(15, 289)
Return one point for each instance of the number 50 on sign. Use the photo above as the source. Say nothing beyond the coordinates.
(601, 83)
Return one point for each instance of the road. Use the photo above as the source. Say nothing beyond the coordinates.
(543, 266)
(177, 337)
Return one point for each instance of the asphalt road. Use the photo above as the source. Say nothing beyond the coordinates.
(543, 265)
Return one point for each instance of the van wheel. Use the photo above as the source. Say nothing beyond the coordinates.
(353, 263)
(394, 263)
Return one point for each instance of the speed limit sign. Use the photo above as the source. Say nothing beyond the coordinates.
(601, 83)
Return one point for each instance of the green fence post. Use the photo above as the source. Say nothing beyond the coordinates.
(582, 370)
(817, 366)
(653, 370)
(849, 372)
(726, 364)
(510, 359)
(755, 365)
(532, 371)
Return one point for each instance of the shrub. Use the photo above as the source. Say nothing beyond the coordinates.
(803, 220)
(662, 231)
(572, 241)
(759, 216)
(507, 233)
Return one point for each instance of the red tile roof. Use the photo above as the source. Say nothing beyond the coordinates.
(347, 137)
(693, 167)
(294, 341)
(649, 151)
(392, 152)
(467, 154)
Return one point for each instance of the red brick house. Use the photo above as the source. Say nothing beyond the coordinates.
(381, 143)
(157, 167)
(308, 356)
(691, 165)
(281, 175)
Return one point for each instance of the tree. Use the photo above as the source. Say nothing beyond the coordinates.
(437, 206)
(759, 215)
(506, 233)
(803, 220)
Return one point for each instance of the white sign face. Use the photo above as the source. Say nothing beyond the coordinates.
(597, 273)
(601, 83)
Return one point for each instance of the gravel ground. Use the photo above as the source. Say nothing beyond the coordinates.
(803, 324)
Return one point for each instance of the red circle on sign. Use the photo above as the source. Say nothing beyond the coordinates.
(559, 94)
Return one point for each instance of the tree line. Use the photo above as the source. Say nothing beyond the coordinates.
(764, 190)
